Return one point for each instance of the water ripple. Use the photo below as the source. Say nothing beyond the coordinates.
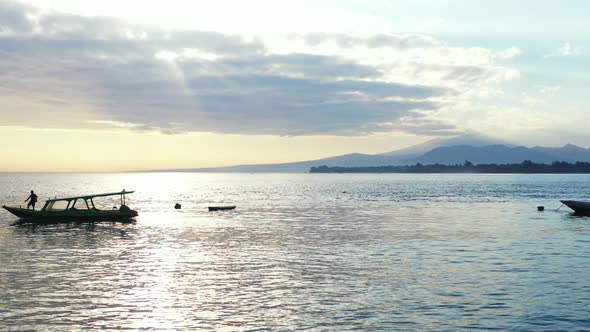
(318, 252)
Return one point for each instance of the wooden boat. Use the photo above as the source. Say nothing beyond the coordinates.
(579, 207)
(221, 208)
(77, 208)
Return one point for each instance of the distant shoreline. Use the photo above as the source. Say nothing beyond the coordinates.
(526, 167)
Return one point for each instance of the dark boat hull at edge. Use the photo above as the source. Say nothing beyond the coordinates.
(579, 207)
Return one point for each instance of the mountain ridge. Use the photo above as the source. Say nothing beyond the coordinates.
(491, 154)
(475, 148)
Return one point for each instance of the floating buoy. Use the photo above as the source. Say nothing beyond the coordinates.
(177, 206)
(540, 208)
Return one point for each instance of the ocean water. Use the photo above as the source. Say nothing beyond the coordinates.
(302, 251)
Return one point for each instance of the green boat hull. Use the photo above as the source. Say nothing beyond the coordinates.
(71, 215)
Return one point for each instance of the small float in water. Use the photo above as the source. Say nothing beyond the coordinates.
(222, 208)
(579, 207)
(76, 208)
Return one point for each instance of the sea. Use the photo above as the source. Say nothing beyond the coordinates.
(319, 252)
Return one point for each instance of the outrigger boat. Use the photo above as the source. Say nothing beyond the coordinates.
(578, 206)
(222, 208)
(77, 208)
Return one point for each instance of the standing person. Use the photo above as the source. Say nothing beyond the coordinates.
(32, 200)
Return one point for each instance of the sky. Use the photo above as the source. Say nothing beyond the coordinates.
(136, 85)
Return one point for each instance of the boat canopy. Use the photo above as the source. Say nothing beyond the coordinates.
(89, 196)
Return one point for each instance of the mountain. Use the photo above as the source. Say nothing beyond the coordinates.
(357, 159)
(476, 148)
(492, 154)
(470, 139)
(350, 160)
(568, 152)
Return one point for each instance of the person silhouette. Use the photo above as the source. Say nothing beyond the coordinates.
(32, 200)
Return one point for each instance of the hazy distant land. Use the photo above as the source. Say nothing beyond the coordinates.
(526, 167)
(477, 148)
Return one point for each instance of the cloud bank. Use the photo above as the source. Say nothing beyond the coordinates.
(66, 71)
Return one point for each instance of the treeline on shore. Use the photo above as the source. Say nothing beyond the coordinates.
(527, 166)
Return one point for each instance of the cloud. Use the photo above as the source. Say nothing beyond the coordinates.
(425, 126)
(12, 18)
(375, 41)
(87, 72)
(549, 89)
(567, 50)
(529, 100)
(509, 53)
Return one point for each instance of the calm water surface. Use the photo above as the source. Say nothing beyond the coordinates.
(302, 251)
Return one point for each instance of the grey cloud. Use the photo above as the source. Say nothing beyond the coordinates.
(12, 18)
(77, 33)
(210, 41)
(467, 73)
(111, 67)
(301, 65)
(257, 105)
(308, 86)
(319, 66)
(427, 127)
(400, 42)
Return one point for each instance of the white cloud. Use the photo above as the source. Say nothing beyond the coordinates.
(549, 89)
(566, 50)
(509, 53)
(412, 59)
(529, 100)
